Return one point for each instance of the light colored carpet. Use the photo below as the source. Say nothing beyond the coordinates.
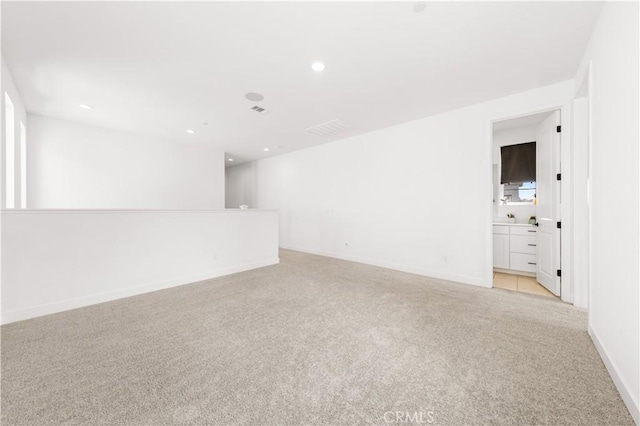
(313, 340)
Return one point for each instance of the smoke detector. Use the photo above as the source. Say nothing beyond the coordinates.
(419, 6)
(253, 96)
(330, 128)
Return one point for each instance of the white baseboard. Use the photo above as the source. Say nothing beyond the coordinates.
(65, 305)
(459, 278)
(622, 387)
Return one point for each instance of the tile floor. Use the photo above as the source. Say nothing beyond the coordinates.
(519, 283)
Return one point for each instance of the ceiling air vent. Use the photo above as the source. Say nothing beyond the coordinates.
(330, 128)
(259, 109)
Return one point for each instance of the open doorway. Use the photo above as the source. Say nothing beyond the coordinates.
(526, 203)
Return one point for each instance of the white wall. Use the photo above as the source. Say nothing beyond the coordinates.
(613, 311)
(240, 186)
(502, 138)
(9, 87)
(413, 197)
(73, 165)
(58, 260)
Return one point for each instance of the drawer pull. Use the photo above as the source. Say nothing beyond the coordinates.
(531, 245)
(532, 263)
(530, 230)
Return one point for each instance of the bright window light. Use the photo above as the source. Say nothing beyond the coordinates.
(23, 166)
(10, 153)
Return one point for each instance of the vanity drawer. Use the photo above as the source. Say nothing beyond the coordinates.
(501, 229)
(523, 244)
(524, 230)
(523, 262)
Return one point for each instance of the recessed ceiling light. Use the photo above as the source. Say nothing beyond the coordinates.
(419, 6)
(265, 149)
(230, 159)
(317, 66)
(85, 106)
(190, 131)
(255, 97)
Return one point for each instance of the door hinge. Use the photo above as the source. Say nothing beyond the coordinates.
(559, 272)
(559, 225)
(558, 129)
(559, 176)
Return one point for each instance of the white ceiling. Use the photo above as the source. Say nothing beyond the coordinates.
(159, 68)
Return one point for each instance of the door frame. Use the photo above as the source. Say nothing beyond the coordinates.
(566, 207)
(583, 91)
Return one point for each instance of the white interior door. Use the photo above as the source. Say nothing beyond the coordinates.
(548, 198)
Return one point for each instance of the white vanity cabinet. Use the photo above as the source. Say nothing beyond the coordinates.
(515, 247)
(501, 246)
